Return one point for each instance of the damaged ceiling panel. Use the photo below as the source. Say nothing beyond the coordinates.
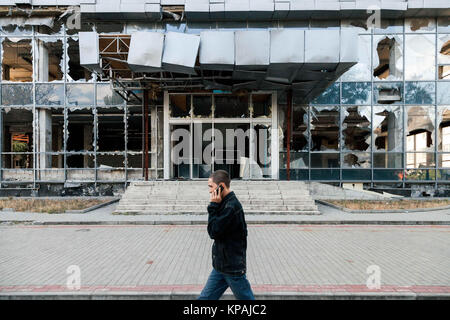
(146, 49)
(308, 61)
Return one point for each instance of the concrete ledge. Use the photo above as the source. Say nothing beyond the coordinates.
(93, 207)
(381, 211)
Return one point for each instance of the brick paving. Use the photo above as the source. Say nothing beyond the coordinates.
(175, 258)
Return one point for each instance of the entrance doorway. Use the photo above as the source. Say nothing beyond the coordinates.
(208, 132)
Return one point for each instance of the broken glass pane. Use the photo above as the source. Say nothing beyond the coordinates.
(420, 57)
(17, 94)
(80, 130)
(419, 92)
(111, 133)
(75, 71)
(202, 106)
(51, 51)
(262, 105)
(299, 140)
(390, 26)
(420, 25)
(17, 60)
(387, 126)
(49, 94)
(443, 24)
(420, 130)
(443, 122)
(388, 57)
(324, 128)
(356, 130)
(180, 106)
(356, 92)
(232, 106)
(80, 94)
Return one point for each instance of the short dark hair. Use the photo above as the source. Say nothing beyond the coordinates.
(219, 176)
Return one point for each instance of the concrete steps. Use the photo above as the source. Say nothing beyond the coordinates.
(192, 197)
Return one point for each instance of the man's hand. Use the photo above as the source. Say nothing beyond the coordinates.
(216, 196)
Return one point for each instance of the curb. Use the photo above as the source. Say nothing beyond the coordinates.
(97, 206)
(193, 296)
(325, 203)
(254, 222)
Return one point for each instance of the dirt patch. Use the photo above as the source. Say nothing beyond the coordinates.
(388, 205)
(48, 206)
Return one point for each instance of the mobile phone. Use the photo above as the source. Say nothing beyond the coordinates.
(220, 187)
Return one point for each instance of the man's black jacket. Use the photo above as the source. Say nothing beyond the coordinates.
(227, 226)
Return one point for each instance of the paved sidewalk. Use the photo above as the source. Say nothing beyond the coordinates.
(173, 262)
(328, 216)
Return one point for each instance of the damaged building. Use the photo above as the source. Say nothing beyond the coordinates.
(96, 94)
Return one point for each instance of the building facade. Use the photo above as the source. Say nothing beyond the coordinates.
(328, 91)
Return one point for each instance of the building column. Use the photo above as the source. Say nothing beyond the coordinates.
(87, 143)
(44, 115)
(154, 139)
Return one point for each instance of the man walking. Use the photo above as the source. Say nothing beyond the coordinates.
(227, 226)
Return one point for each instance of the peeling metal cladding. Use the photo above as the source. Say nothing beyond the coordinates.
(180, 52)
(146, 51)
(252, 49)
(287, 54)
(217, 50)
(89, 50)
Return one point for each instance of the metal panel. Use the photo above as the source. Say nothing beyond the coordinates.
(89, 50)
(145, 53)
(252, 49)
(261, 9)
(180, 52)
(349, 45)
(217, 50)
(287, 46)
(321, 46)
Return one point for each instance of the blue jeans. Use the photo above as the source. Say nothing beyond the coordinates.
(218, 282)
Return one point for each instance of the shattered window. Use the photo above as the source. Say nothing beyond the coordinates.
(420, 134)
(419, 92)
(444, 56)
(390, 26)
(420, 25)
(232, 106)
(75, 72)
(17, 60)
(80, 130)
(443, 121)
(444, 24)
(324, 128)
(17, 140)
(388, 57)
(51, 52)
(387, 127)
(356, 160)
(419, 57)
(356, 93)
(202, 106)
(111, 134)
(356, 129)
(180, 106)
(262, 105)
(16, 30)
(299, 140)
